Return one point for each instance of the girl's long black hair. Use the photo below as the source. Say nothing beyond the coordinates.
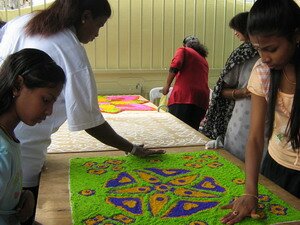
(239, 23)
(194, 43)
(64, 14)
(280, 18)
(37, 69)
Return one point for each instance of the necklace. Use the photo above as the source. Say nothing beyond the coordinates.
(282, 107)
(288, 80)
(5, 130)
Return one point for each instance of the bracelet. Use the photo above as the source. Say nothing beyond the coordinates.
(254, 196)
(133, 150)
(232, 94)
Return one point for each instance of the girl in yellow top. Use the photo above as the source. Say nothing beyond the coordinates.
(274, 28)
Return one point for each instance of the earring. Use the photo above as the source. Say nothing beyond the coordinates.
(83, 21)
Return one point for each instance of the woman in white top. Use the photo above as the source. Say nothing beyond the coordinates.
(59, 31)
(274, 29)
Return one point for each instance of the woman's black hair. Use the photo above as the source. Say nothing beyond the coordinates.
(2, 23)
(239, 23)
(64, 14)
(37, 69)
(194, 43)
(279, 18)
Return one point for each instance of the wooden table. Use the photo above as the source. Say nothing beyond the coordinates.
(53, 202)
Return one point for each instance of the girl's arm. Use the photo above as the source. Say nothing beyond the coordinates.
(234, 93)
(168, 84)
(175, 66)
(25, 208)
(247, 203)
(255, 144)
(230, 83)
(107, 135)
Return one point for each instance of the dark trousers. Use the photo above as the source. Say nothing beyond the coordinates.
(188, 113)
(35, 192)
(286, 178)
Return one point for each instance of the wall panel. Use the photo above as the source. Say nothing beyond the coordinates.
(157, 34)
(168, 32)
(146, 37)
(124, 34)
(135, 47)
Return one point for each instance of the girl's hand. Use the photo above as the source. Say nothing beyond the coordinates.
(242, 207)
(144, 152)
(165, 90)
(26, 206)
(245, 92)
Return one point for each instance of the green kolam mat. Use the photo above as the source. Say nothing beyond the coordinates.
(184, 188)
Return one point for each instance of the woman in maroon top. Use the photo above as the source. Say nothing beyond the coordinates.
(190, 95)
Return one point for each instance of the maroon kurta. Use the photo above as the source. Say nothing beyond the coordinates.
(191, 84)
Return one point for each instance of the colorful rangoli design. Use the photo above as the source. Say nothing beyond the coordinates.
(185, 188)
(119, 103)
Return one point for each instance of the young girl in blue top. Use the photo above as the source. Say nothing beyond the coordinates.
(30, 82)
